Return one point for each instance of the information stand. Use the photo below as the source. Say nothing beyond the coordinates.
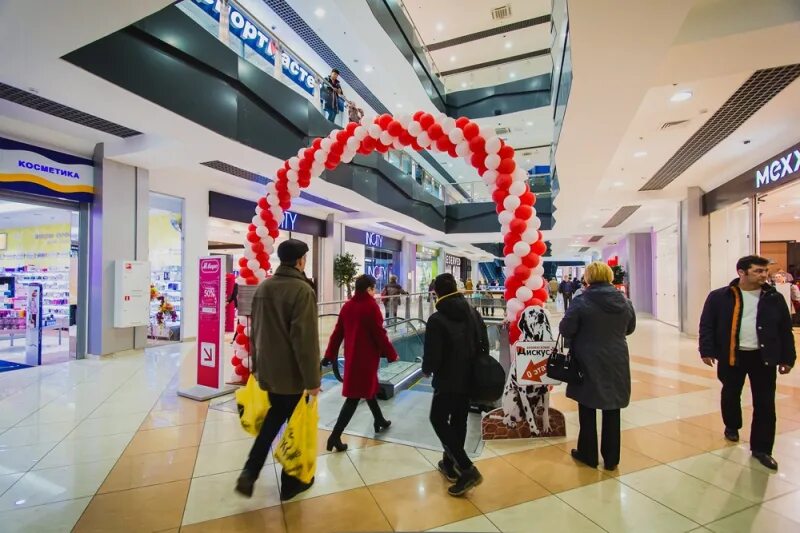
(33, 325)
(210, 333)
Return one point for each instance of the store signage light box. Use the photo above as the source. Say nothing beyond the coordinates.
(242, 27)
(778, 168)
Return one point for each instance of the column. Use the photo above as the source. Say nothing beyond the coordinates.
(640, 274)
(330, 246)
(694, 261)
(118, 232)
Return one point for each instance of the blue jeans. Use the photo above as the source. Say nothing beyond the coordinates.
(330, 114)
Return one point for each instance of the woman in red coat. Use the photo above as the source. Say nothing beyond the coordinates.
(360, 326)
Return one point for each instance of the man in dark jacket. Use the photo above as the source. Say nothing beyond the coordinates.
(285, 356)
(566, 291)
(330, 92)
(391, 294)
(746, 329)
(452, 339)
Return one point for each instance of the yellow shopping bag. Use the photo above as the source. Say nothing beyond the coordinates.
(253, 404)
(297, 450)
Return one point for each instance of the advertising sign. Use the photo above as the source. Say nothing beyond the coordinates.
(33, 325)
(210, 330)
(261, 43)
(131, 294)
(531, 362)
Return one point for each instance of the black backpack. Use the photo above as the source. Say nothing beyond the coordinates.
(487, 377)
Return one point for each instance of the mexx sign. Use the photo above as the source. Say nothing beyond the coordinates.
(778, 169)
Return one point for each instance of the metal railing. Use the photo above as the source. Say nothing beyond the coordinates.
(431, 62)
(478, 191)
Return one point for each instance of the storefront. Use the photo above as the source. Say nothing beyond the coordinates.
(427, 267)
(166, 255)
(44, 204)
(459, 267)
(378, 253)
(756, 212)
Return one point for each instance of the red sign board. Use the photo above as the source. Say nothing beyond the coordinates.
(210, 330)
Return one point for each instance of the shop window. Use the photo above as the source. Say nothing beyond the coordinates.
(166, 267)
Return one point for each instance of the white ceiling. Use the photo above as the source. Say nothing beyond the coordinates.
(709, 47)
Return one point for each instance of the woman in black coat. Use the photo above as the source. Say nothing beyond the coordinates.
(596, 325)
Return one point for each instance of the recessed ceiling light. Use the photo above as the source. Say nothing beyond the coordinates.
(640, 154)
(509, 44)
(512, 75)
(319, 12)
(529, 123)
(368, 68)
(463, 84)
(797, 217)
(399, 106)
(452, 58)
(782, 206)
(618, 184)
(681, 96)
(439, 26)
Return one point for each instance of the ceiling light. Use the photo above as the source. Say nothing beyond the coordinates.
(399, 106)
(508, 44)
(439, 26)
(797, 217)
(618, 184)
(639, 154)
(681, 96)
(782, 206)
(319, 12)
(529, 123)
(368, 68)
(452, 59)
(512, 75)
(463, 84)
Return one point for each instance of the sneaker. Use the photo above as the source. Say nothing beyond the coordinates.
(448, 471)
(766, 459)
(469, 479)
(244, 485)
(732, 435)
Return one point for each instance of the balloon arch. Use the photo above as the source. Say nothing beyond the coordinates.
(487, 153)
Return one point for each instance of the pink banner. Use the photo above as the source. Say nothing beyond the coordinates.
(210, 322)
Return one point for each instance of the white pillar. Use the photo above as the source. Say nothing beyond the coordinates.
(694, 261)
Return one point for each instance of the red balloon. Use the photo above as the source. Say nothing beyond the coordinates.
(266, 215)
(304, 164)
(384, 120)
(528, 199)
(304, 182)
(382, 148)
(461, 122)
(254, 238)
(342, 136)
(536, 302)
(509, 293)
(540, 294)
(262, 203)
(499, 196)
(330, 165)
(511, 238)
(513, 284)
(539, 247)
(415, 145)
(444, 144)
(274, 233)
(261, 256)
(258, 247)
(477, 144)
(471, 130)
(452, 153)
(524, 212)
(514, 332)
(406, 138)
(394, 128)
(317, 143)
(240, 329)
(435, 131)
(241, 339)
(240, 370)
(242, 262)
(508, 249)
(281, 174)
(235, 361)
(418, 114)
(477, 160)
(531, 260)
(518, 226)
(271, 225)
(251, 228)
(351, 127)
(426, 120)
(506, 152)
(303, 174)
(245, 273)
(337, 148)
(368, 143)
(522, 272)
(507, 166)
(504, 181)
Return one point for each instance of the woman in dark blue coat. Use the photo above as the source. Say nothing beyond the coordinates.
(596, 325)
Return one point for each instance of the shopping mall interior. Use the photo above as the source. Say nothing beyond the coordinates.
(154, 155)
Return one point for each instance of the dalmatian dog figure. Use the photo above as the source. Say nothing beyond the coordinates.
(525, 400)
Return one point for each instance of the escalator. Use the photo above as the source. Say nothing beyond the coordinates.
(408, 338)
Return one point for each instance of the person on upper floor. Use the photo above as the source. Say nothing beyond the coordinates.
(596, 326)
(746, 330)
(360, 327)
(330, 92)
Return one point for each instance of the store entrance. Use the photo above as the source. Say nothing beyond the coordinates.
(38, 283)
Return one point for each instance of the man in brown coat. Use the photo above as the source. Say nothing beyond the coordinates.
(285, 355)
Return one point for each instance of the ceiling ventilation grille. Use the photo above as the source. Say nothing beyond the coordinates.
(621, 216)
(583, 250)
(502, 12)
(233, 170)
(32, 101)
(502, 131)
(595, 238)
(673, 124)
(759, 89)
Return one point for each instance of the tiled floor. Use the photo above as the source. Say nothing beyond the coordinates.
(106, 445)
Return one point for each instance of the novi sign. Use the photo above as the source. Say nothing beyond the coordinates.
(261, 43)
(778, 168)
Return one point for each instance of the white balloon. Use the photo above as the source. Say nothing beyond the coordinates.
(294, 190)
(375, 131)
(245, 362)
(462, 148)
(404, 120)
(504, 229)
(320, 156)
(352, 143)
(270, 249)
(519, 174)
(397, 144)
(448, 125)
(508, 271)
(514, 306)
(317, 168)
(241, 281)
(493, 144)
(253, 265)
(530, 235)
(511, 202)
(517, 189)
(360, 132)
(513, 261)
(522, 249)
(456, 136)
(366, 121)
(505, 218)
(386, 138)
(326, 144)
(261, 274)
(249, 253)
(294, 163)
(423, 139)
(277, 212)
(262, 231)
(487, 133)
(291, 175)
(348, 156)
(273, 199)
(414, 128)
(524, 294)
(539, 270)
(535, 222)
(257, 221)
(271, 189)
(490, 177)
(535, 282)
(440, 118)
(492, 161)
